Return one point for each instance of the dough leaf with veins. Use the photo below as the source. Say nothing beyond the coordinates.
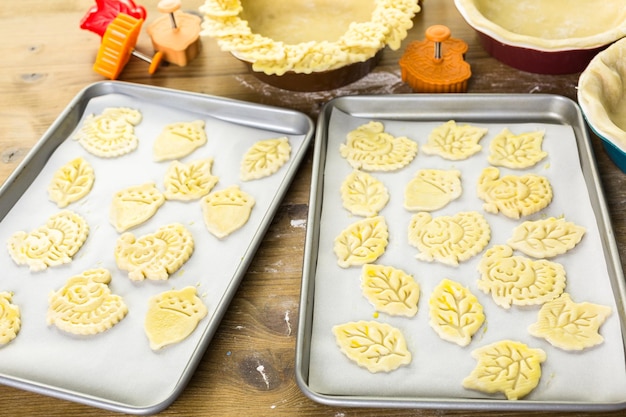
(189, 181)
(363, 195)
(362, 242)
(71, 182)
(454, 142)
(390, 290)
(265, 158)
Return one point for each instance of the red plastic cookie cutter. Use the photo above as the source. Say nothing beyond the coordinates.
(436, 65)
(99, 16)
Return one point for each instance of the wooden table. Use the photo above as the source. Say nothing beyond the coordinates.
(47, 60)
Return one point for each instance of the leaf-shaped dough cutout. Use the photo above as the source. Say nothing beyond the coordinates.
(506, 366)
(454, 142)
(179, 139)
(518, 280)
(362, 242)
(546, 238)
(455, 313)
(189, 181)
(264, 158)
(378, 347)
(569, 325)
(370, 148)
(516, 151)
(390, 290)
(432, 189)
(71, 182)
(363, 195)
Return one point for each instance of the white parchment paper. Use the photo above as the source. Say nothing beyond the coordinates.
(438, 367)
(118, 365)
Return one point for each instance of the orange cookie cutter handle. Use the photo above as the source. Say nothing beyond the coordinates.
(118, 44)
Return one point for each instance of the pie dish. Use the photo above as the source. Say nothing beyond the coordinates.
(548, 37)
(602, 98)
(322, 38)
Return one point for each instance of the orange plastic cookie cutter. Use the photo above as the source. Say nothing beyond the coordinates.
(118, 44)
(176, 34)
(436, 64)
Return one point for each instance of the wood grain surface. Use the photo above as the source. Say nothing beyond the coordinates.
(248, 369)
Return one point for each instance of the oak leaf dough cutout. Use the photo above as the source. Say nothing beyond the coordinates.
(52, 244)
(85, 304)
(189, 181)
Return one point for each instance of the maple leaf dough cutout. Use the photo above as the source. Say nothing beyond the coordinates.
(432, 189)
(370, 148)
(514, 196)
(362, 242)
(378, 347)
(455, 313)
(546, 238)
(134, 205)
(517, 280)
(156, 255)
(448, 239)
(111, 133)
(85, 304)
(453, 141)
(10, 318)
(363, 195)
(52, 244)
(177, 140)
(71, 182)
(507, 366)
(227, 210)
(189, 181)
(516, 151)
(569, 325)
(172, 316)
(390, 290)
(264, 158)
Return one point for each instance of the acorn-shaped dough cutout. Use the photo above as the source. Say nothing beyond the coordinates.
(172, 316)
(226, 210)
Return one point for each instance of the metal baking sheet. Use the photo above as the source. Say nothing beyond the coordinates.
(594, 379)
(117, 370)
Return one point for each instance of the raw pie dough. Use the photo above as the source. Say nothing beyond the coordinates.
(390, 290)
(514, 196)
(134, 205)
(172, 316)
(363, 195)
(432, 189)
(189, 181)
(154, 256)
(85, 304)
(264, 158)
(454, 142)
(378, 347)
(362, 242)
(518, 280)
(546, 238)
(516, 151)
(71, 182)
(569, 325)
(455, 313)
(52, 244)
(262, 40)
(111, 133)
(226, 210)
(370, 148)
(448, 239)
(10, 318)
(178, 140)
(506, 366)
